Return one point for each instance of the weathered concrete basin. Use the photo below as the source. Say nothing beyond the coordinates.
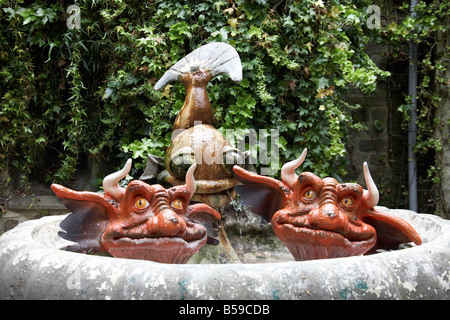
(32, 266)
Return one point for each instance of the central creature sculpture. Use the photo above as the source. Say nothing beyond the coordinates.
(194, 139)
(319, 218)
(142, 221)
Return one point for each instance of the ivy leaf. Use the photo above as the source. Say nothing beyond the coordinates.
(28, 20)
(319, 3)
(322, 83)
(283, 144)
(288, 22)
(233, 22)
(333, 12)
(255, 31)
(218, 4)
(246, 113)
(40, 12)
(246, 101)
(245, 83)
(291, 125)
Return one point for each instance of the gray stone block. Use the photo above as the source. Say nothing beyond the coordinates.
(42, 202)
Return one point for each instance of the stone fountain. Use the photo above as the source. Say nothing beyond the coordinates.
(168, 235)
(35, 266)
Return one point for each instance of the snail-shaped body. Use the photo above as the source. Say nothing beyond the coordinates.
(194, 139)
(214, 156)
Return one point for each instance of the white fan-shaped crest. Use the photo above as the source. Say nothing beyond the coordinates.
(215, 57)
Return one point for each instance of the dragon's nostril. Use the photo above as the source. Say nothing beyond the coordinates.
(331, 214)
(170, 224)
(326, 217)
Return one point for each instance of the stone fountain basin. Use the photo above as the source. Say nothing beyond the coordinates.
(33, 266)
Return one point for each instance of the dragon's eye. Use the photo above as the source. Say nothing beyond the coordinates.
(348, 202)
(141, 203)
(177, 204)
(310, 194)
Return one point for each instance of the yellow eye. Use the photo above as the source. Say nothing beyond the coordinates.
(310, 194)
(177, 204)
(141, 203)
(348, 202)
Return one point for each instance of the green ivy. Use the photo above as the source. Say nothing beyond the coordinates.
(427, 29)
(90, 91)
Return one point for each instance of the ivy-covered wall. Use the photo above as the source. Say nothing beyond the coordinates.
(68, 95)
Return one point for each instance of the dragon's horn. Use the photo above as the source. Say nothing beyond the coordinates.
(288, 175)
(371, 195)
(111, 182)
(190, 181)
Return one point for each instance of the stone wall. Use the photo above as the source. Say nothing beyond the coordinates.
(17, 207)
(22, 208)
(382, 144)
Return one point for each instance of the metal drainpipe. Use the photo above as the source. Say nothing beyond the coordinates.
(412, 126)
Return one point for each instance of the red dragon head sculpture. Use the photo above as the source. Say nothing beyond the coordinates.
(320, 218)
(142, 221)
